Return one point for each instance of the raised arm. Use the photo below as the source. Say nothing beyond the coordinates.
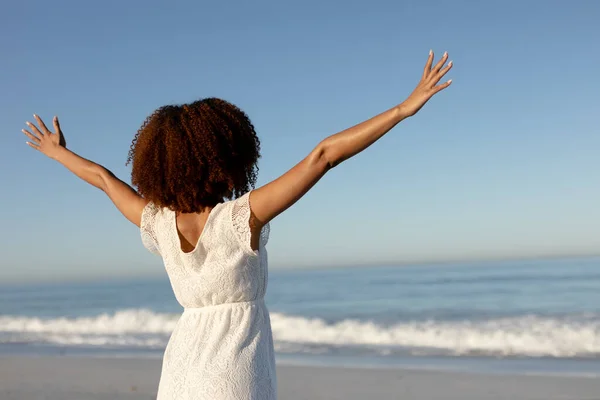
(53, 145)
(273, 198)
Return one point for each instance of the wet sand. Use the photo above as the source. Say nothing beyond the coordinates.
(82, 378)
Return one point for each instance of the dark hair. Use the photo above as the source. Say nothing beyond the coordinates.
(191, 156)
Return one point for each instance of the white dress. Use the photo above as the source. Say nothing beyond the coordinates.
(222, 346)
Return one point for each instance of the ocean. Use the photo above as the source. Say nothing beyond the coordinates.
(529, 317)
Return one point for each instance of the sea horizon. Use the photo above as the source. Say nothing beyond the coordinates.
(160, 273)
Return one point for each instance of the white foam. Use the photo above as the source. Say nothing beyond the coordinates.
(125, 328)
(123, 321)
(520, 336)
(526, 336)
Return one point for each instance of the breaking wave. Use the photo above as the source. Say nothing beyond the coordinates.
(527, 336)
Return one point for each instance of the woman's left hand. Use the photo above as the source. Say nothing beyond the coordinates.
(428, 86)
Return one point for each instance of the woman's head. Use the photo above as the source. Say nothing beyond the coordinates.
(191, 156)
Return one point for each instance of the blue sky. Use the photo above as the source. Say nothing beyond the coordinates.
(503, 164)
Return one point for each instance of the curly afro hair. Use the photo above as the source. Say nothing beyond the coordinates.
(191, 156)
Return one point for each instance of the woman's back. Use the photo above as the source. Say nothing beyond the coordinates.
(222, 345)
(222, 268)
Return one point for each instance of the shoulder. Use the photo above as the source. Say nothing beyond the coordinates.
(229, 215)
(148, 227)
(235, 217)
(149, 212)
(233, 210)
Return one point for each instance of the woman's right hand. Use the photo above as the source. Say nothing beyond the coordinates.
(42, 139)
(53, 144)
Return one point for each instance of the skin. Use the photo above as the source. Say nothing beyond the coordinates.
(268, 201)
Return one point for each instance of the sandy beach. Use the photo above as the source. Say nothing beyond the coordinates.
(81, 378)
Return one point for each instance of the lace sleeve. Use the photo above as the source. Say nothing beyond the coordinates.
(147, 225)
(240, 217)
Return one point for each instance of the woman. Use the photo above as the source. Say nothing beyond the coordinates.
(187, 160)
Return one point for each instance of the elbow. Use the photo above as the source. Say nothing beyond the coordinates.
(326, 156)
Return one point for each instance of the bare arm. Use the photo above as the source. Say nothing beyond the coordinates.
(275, 197)
(52, 144)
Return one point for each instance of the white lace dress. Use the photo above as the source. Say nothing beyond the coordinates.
(222, 346)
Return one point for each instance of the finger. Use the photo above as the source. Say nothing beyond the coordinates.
(34, 129)
(441, 74)
(440, 63)
(33, 145)
(31, 136)
(441, 87)
(42, 125)
(427, 69)
(56, 124)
